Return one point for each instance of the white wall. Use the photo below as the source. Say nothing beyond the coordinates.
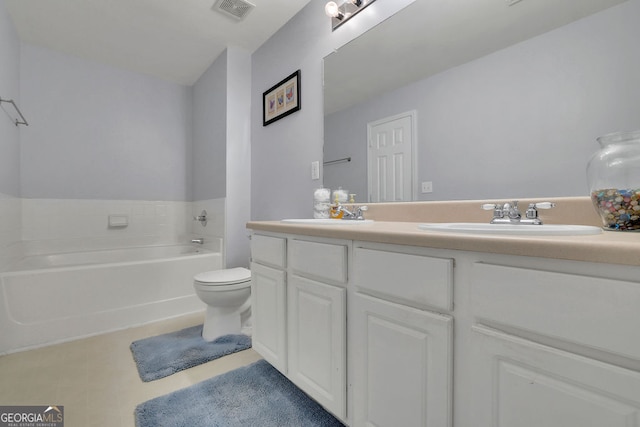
(98, 132)
(281, 153)
(518, 122)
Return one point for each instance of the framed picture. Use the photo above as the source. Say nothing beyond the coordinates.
(281, 100)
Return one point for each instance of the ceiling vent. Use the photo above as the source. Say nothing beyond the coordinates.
(237, 9)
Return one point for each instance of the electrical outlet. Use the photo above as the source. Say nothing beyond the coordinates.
(427, 187)
(315, 170)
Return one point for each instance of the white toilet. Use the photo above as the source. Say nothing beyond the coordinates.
(227, 295)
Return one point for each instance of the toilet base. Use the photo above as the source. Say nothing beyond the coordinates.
(220, 321)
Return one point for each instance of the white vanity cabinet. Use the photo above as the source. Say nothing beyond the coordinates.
(300, 313)
(554, 348)
(367, 329)
(317, 324)
(269, 299)
(400, 347)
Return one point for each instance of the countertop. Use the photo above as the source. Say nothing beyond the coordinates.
(609, 247)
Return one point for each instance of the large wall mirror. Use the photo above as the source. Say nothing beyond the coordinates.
(490, 100)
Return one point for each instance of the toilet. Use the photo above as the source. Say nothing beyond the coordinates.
(227, 295)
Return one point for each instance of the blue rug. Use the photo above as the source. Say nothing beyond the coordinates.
(163, 355)
(255, 395)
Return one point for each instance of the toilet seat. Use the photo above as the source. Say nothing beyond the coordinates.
(226, 277)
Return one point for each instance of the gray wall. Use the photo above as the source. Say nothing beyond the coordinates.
(98, 132)
(521, 122)
(281, 185)
(9, 89)
(238, 194)
(210, 131)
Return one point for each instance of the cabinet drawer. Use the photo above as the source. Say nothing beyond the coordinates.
(590, 311)
(417, 280)
(269, 250)
(319, 260)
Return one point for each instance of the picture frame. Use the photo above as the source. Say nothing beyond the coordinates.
(282, 99)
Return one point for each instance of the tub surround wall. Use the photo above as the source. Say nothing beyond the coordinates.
(10, 247)
(55, 225)
(214, 232)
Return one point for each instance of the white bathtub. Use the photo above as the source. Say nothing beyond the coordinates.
(57, 297)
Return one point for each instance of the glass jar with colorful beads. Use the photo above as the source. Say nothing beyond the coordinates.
(613, 173)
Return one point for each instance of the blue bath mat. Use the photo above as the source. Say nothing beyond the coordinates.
(163, 355)
(255, 395)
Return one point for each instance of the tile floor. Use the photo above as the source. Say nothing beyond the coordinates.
(96, 379)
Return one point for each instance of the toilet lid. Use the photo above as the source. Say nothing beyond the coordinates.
(227, 276)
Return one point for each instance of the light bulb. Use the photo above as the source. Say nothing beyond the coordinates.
(332, 10)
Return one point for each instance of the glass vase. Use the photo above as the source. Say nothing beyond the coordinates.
(613, 174)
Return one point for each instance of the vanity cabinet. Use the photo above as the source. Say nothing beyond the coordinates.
(387, 335)
(402, 365)
(317, 325)
(523, 383)
(401, 346)
(269, 299)
(554, 348)
(300, 314)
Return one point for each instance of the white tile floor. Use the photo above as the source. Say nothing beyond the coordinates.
(96, 379)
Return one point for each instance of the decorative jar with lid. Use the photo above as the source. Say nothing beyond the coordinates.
(613, 173)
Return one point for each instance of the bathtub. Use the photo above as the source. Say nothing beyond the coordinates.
(58, 297)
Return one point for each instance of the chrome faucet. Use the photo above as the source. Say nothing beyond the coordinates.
(356, 215)
(199, 241)
(508, 213)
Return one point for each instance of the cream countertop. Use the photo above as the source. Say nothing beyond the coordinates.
(609, 247)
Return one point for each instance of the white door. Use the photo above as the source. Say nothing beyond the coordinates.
(391, 158)
(403, 365)
(317, 341)
(268, 308)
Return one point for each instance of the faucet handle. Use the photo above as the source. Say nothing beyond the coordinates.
(532, 211)
(544, 205)
(490, 206)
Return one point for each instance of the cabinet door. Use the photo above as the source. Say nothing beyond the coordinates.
(269, 311)
(402, 367)
(520, 383)
(317, 341)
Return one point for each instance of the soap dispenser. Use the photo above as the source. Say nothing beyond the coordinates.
(336, 212)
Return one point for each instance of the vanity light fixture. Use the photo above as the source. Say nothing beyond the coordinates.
(341, 14)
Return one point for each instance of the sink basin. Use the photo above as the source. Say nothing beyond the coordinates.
(326, 221)
(512, 229)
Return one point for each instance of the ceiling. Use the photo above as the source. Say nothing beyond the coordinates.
(428, 37)
(176, 40)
